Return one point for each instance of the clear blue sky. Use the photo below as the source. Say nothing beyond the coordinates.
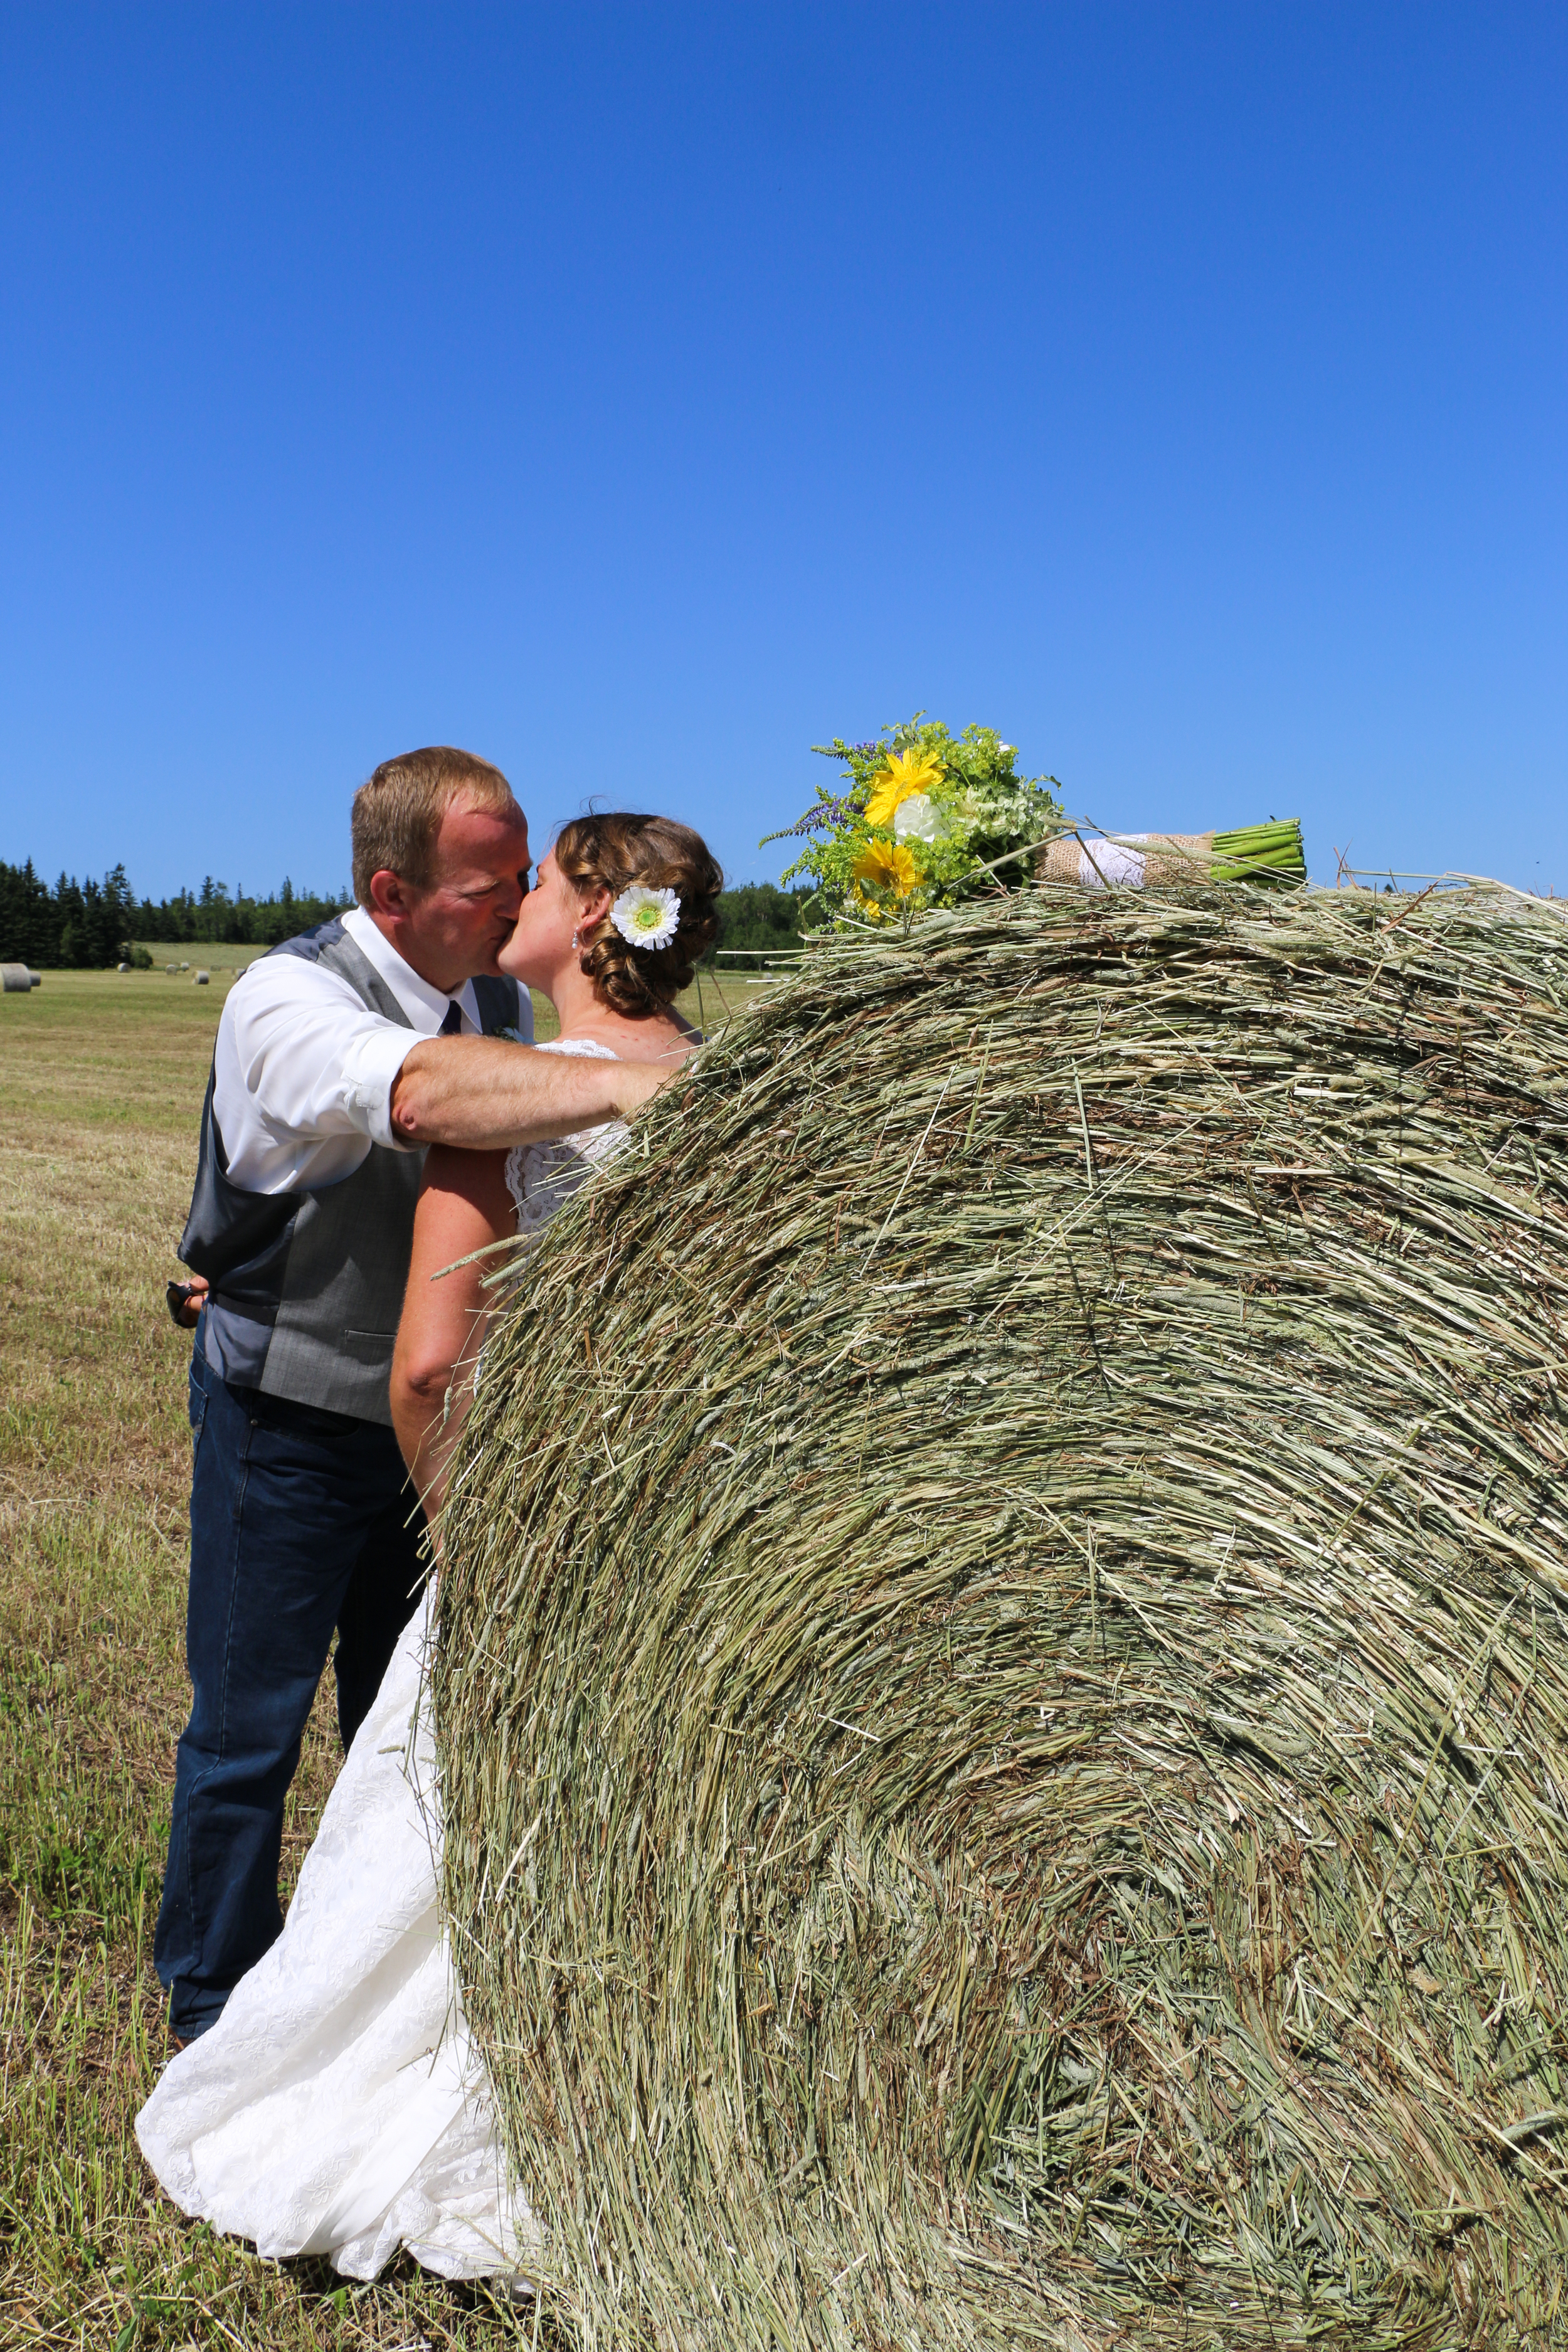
(638, 394)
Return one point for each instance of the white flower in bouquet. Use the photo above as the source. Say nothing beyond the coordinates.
(918, 819)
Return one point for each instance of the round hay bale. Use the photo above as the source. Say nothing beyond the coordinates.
(1003, 1668)
(16, 979)
(201, 980)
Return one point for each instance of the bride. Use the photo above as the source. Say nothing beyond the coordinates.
(338, 2107)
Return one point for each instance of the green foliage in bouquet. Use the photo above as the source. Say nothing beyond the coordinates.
(927, 818)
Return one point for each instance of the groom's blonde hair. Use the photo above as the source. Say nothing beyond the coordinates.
(397, 811)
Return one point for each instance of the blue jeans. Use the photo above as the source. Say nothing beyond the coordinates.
(302, 1521)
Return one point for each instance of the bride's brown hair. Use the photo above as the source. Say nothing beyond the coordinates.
(610, 853)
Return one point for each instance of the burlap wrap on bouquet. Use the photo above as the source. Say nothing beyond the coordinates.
(1145, 860)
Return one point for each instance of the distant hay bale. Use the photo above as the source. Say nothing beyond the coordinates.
(17, 980)
(1002, 1669)
(201, 978)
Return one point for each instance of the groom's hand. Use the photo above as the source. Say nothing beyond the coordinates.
(486, 1094)
(187, 1300)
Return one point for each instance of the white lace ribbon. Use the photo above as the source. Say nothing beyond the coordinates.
(1102, 863)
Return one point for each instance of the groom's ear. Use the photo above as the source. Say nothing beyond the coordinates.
(388, 893)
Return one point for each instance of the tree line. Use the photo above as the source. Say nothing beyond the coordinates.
(81, 925)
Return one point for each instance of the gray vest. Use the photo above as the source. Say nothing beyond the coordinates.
(307, 1287)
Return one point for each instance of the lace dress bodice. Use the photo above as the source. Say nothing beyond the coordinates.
(541, 1176)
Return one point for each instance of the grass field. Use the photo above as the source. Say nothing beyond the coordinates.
(100, 1086)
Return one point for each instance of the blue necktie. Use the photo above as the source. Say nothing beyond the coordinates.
(453, 1023)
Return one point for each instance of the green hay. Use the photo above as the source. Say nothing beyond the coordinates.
(1002, 1675)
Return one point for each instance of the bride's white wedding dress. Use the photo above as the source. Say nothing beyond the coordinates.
(338, 2107)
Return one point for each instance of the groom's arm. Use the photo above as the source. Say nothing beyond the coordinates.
(485, 1093)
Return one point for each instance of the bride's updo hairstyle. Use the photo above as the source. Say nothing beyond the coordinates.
(611, 853)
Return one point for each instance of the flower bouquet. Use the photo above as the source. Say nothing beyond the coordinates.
(927, 818)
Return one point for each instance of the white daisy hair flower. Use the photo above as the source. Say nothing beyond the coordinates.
(644, 918)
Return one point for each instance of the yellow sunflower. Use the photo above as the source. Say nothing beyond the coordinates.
(887, 865)
(906, 773)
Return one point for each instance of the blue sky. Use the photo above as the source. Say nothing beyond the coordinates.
(639, 395)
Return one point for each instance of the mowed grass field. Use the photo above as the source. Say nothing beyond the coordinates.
(102, 1076)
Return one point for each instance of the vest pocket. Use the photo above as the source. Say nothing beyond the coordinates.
(368, 1347)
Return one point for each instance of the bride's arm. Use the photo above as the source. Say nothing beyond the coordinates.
(464, 1203)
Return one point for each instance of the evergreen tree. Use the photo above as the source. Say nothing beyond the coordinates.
(29, 926)
(71, 917)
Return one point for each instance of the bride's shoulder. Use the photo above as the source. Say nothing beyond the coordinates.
(616, 1039)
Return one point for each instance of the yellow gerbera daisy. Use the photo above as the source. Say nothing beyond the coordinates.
(907, 772)
(887, 865)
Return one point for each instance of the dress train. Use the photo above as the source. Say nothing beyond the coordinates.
(338, 2107)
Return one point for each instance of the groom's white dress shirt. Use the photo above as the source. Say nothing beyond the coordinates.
(302, 1071)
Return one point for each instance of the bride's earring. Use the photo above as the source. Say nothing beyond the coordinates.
(574, 943)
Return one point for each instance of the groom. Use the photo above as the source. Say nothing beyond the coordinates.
(336, 1057)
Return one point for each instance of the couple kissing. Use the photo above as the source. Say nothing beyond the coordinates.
(370, 1124)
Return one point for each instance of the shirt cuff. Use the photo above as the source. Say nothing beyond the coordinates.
(369, 1067)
